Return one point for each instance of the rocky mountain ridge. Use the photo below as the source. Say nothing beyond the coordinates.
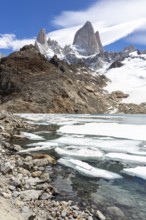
(31, 83)
(47, 78)
(86, 49)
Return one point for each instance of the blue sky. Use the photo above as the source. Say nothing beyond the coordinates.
(21, 20)
(26, 17)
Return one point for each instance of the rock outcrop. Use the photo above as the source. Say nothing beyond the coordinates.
(99, 40)
(86, 41)
(41, 42)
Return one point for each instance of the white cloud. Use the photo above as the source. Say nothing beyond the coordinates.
(114, 19)
(105, 12)
(108, 34)
(9, 41)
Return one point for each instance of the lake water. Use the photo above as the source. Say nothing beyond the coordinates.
(122, 141)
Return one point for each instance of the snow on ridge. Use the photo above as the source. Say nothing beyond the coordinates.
(130, 78)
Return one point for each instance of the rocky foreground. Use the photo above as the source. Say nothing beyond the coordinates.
(26, 191)
(31, 83)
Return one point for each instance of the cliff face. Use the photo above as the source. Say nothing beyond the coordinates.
(86, 40)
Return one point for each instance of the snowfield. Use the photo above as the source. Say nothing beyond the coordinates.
(130, 78)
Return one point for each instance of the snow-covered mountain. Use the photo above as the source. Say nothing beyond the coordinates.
(126, 69)
(85, 48)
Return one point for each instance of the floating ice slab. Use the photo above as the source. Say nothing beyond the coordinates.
(39, 148)
(137, 171)
(127, 131)
(83, 154)
(45, 144)
(86, 170)
(107, 144)
(31, 136)
(126, 157)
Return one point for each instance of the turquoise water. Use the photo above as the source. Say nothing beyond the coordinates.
(128, 193)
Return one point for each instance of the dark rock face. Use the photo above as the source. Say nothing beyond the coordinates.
(85, 39)
(116, 64)
(55, 47)
(119, 95)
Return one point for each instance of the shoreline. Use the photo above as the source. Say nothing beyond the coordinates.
(26, 190)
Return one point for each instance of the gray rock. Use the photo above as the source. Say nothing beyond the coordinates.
(64, 213)
(16, 182)
(17, 147)
(41, 38)
(86, 40)
(45, 196)
(117, 212)
(99, 40)
(6, 195)
(6, 167)
(36, 173)
(45, 176)
(90, 218)
(100, 215)
(29, 194)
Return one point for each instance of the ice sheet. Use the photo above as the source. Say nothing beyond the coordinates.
(126, 158)
(82, 154)
(86, 170)
(126, 131)
(31, 136)
(107, 144)
(38, 148)
(137, 171)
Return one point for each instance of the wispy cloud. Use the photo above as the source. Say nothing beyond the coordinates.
(108, 34)
(9, 41)
(114, 19)
(106, 12)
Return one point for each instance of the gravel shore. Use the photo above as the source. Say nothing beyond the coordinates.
(26, 191)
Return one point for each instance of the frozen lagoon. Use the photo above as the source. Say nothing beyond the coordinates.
(122, 141)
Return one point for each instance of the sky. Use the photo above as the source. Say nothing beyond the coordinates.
(120, 22)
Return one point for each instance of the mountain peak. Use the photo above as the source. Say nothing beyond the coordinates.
(41, 42)
(99, 40)
(42, 38)
(88, 23)
(86, 40)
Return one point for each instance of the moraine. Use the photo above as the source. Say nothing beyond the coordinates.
(121, 143)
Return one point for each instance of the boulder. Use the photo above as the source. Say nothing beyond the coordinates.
(118, 95)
